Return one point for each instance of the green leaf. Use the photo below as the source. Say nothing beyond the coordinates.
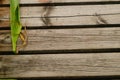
(15, 22)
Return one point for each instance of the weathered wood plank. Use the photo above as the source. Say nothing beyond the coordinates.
(80, 20)
(66, 39)
(40, 1)
(69, 10)
(70, 15)
(60, 65)
(54, 1)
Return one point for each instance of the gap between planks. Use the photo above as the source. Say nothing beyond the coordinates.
(60, 3)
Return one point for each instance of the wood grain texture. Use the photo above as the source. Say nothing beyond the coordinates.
(54, 1)
(60, 65)
(70, 38)
(63, 65)
(66, 15)
(62, 39)
(68, 21)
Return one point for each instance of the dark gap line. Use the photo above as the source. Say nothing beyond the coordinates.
(71, 51)
(66, 26)
(109, 77)
(65, 4)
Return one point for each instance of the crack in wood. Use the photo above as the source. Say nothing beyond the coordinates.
(45, 13)
(100, 19)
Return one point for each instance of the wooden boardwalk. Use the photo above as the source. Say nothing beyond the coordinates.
(72, 38)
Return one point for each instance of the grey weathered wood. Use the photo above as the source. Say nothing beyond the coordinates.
(69, 10)
(54, 1)
(80, 20)
(40, 1)
(60, 39)
(63, 65)
(67, 15)
(60, 65)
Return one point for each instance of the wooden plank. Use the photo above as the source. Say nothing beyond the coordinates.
(60, 65)
(54, 1)
(67, 15)
(69, 10)
(80, 20)
(67, 39)
(41, 1)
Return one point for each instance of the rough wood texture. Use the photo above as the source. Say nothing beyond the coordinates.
(62, 39)
(60, 65)
(63, 65)
(59, 39)
(54, 1)
(66, 15)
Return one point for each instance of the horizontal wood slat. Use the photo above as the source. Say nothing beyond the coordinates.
(54, 1)
(60, 65)
(86, 20)
(70, 15)
(62, 39)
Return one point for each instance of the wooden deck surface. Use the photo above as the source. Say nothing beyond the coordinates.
(72, 38)
(51, 65)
